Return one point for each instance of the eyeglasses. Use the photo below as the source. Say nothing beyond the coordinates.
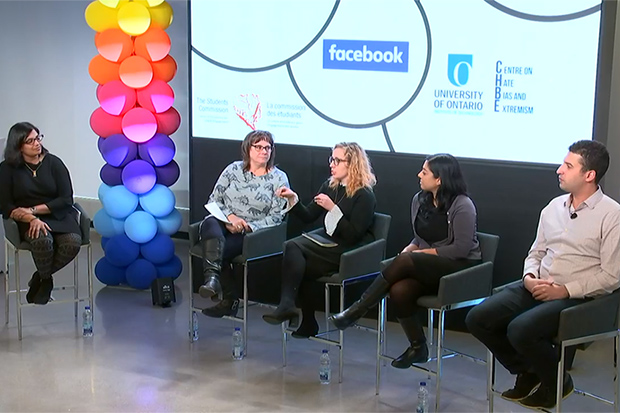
(37, 138)
(260, 148)
(336, 161)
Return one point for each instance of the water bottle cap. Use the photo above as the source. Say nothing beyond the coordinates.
(422, 383)
(237, 328)
(325, 351)
(87, 307)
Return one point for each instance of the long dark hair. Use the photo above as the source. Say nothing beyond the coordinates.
(445, 167)
(14, 142)
(253, 138)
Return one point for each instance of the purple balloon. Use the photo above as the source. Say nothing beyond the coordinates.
(118, 151)
(158, 151)
(110, 175)
(168, 174)
(139, 176)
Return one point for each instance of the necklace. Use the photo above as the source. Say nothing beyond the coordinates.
(337, 201)
(34, 171)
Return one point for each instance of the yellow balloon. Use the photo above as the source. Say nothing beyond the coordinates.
(110, 3)
(153, 3)
(161, 15)
(100, 17)
(134, 19)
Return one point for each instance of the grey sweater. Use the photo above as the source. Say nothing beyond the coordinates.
(461, 242)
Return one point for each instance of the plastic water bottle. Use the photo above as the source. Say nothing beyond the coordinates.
(422, 398)
(193, 335)
(87, 322)
(237, 344)
(325, 368)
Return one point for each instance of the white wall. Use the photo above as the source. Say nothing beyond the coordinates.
(45, 49)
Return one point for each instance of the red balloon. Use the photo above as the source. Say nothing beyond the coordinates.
(168, 122)
(104, 124)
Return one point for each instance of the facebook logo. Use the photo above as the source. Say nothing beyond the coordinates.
(377, 56)
(459, 66)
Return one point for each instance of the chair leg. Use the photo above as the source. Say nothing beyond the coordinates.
(327, 311)
(440, 338)
(284, 343)
(431, 327)
(341, 333)
(18, 295)
(560, 379)
(190, 300)
(380, 343)
(76, 286)
(490, 379)
(616, 373)
(89, 281)
(6, 282)
(245, 308)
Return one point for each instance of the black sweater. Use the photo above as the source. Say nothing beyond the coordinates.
(358, 214)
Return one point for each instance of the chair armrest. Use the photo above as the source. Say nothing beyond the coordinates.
(11, 232)
(263, 242)
(510, 284)
(596, 316)
(360, 261)
(467, 284)
(84, 223)
(385, 263)
(193, 232)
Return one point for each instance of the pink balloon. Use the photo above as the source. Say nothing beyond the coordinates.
(157, 97)
(139, 125)
(104, 124)
(168, 122)
(116, 98)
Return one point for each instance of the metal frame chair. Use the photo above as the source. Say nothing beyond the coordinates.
(357, 265)
(257, 245)
(461, 289)
(13, 241)
(584, 323)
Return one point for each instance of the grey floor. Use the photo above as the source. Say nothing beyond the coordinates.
(140, 359)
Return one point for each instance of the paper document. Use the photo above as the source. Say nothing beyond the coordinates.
(215, 210)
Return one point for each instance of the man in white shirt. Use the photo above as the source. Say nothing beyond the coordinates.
(575, 257)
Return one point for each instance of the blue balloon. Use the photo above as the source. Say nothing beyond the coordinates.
(121, 251)
(159, 201)
(104, 241)
(117, 150)
(109, 274)
(107, 226)
(171, 223)
(103, 189)
(119, 202)
(140, 227)
(170, 269)
(158, 250)
(140, 274)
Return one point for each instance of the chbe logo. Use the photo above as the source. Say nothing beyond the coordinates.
(366, 55)
(459, 66)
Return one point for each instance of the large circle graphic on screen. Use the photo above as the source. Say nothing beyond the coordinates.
(250, 34)
(368, 64)
(547, 10)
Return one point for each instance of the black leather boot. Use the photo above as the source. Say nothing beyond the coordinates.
(230, 301)
(212, 251)
(286, 310)
(309, 327)
(377, 290)
(418, 351)
(33, 284)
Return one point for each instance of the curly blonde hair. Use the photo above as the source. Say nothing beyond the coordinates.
(360, 171)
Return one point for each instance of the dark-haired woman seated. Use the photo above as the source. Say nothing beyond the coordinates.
(444, 228)
(36, 191)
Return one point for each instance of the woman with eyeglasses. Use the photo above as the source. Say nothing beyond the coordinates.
(36, 191)
(246, 194)
(444, 241)
(347, 203)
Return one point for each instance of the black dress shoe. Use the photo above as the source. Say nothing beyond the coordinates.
(544, 396)
(308, 328)
(210, 288)
(43, 294)
(34, 284)
(417, 353)
(226, 307)
(280, 315)
(525, 384)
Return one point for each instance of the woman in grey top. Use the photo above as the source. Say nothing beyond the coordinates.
(444, 241)
(246, 194)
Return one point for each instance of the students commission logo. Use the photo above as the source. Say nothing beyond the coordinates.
(459, 66)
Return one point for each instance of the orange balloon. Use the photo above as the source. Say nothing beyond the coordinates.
(153, 45)
(102, 70)
(165, 69)
(114, 45)
(136, 72)
(100, 17)
(161, 16)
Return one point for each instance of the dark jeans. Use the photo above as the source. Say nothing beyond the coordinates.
(519, 330)
(211, 228)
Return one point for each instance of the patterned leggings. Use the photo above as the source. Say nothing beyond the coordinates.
(52, 252)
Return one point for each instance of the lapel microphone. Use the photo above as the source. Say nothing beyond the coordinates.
(573, 215)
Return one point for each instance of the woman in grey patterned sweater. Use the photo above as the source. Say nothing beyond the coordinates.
(246, 194)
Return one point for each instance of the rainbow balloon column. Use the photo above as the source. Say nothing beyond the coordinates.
(134, 121)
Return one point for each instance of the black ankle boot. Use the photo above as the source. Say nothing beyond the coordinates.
(44, 293)
(281, 314)
(418, 351)
(377, 290)
(212, 250)
(309, 326)
(33, 284)
(226, 307)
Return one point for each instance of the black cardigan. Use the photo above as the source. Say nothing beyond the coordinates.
(358, 214)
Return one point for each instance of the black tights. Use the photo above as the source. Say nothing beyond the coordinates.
(52, 252)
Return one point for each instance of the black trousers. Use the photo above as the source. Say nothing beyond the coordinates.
(211, 228)
(519, 330)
